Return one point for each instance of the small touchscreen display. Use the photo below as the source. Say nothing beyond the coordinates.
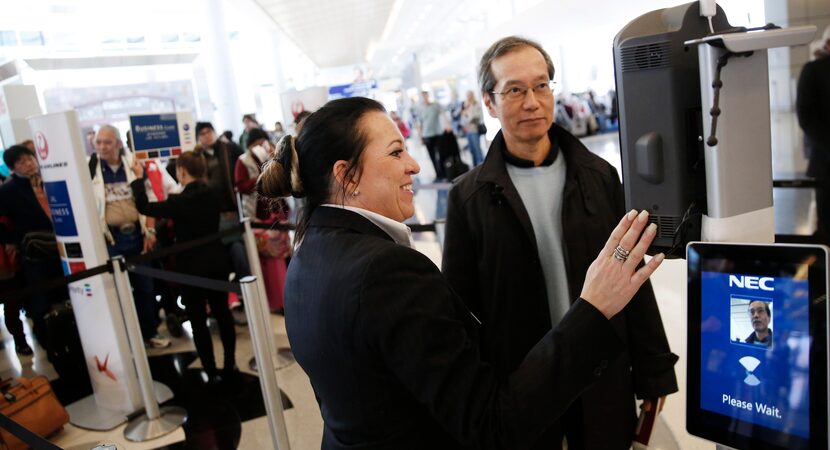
(759, 327)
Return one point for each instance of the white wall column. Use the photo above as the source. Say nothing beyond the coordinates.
(219, 68)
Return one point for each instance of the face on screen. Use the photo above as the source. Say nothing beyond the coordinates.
(748, 372)
(760, 315)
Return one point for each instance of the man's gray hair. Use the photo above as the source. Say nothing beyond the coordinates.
(486, 80)
(113, 129)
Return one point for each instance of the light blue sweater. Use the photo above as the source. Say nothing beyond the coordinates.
(540, 189)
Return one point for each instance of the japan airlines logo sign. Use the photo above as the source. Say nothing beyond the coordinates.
(42, 146)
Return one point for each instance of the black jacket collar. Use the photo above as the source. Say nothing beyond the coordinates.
(493, 168)
(514, 160)
(328, 217)
(493, 172)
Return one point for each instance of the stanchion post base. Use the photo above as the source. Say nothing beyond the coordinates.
(163, 392)
(285, 357)
(143, 429)
(87, 414)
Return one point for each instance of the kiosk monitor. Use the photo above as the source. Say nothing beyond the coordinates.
(757, 345)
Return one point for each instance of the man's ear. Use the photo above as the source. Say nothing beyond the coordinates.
(488, 102)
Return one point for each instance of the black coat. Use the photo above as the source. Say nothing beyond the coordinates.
(392, 352)
(220, 167)
(491, 261)
(195, 214)
(19, 203)
(813, 109)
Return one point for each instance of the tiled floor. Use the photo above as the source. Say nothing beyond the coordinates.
(302, 419)
(304, 425)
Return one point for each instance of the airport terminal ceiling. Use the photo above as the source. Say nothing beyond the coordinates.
(332, 33)
(274, 46)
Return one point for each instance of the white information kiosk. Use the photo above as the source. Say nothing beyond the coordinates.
(60, 152)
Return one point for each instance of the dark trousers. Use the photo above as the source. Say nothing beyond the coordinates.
(36, 272)
(144, 298)
(194, 302)
(474, 141)
(12, 307)
(435, 155)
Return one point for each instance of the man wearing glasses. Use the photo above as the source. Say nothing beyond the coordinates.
(760, 316)
(523, 228)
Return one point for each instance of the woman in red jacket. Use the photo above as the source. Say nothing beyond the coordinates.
(274, 245)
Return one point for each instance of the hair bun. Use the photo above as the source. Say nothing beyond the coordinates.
(280, 176)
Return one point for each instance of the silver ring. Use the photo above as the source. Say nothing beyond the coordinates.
(621, 254)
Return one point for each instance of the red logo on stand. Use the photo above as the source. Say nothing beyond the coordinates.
(102, 367)
(42, 146)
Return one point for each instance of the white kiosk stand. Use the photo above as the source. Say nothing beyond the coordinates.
(110, 361)
(737, 132)
(737, 137)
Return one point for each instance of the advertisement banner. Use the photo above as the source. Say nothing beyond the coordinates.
(357, 89)
(162, 136)
(68, 186)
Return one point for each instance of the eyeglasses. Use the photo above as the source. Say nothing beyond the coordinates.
(516, 93)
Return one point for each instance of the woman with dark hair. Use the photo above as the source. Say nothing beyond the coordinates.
(195, 214)
(391, 351)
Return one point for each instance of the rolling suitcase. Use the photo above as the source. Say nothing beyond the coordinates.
(64, 349)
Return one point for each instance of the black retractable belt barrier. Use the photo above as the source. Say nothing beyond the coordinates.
(56, 282)
(28, 437)
(798, 184)
(416, 228)
(169, 276)
(422, 228)
(183, 278)
(274, 226)
(78, 276)
(187, 245)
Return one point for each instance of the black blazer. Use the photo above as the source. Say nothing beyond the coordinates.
(195, 214)
(19, 203)
(491, 260)
(392, 352)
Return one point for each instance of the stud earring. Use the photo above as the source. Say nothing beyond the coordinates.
(355, 193)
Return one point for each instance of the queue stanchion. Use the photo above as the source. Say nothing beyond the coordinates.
(156, 421)
(261, 338)
(282, 356)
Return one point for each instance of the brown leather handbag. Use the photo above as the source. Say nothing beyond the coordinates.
(32, 404)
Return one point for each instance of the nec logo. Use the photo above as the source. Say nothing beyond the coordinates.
(746, 282)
